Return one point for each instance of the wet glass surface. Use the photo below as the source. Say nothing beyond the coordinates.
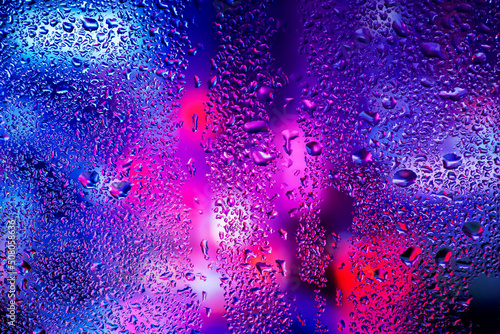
(250, 166)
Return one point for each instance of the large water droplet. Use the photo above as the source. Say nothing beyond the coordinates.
(90, 24)
(261, 158)
(89, 180)
(314, 148)
(362, 156)
(265, 94)
(473, 230)
(452, 161)
(404, 178)
(389, 103)
(432, 50)
(256, 126)
(288, 136)
(380, 274)
(371, 118)
(68, 27)
(478, 58)
(363, 35)
(443, 256)
(455, 95)
(24, 267)
(411, 255)
(262, 267)
(204, 248)
(120, 189)
(400, 28)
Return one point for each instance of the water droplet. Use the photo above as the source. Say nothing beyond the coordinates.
(372, 118)
(281, 267)
(120, 189)
(473, 230)
(452, 161)
(363, 35)
(362, 156)
(400, 28)
(195, 122)
(68, 27)
(341, 325)
(256, 126)
(411, 255)
(263, 267)
(389, 103)
(89, 180)
(456, 95)
(288, 136)
(443, 256)
(380, 274)
(432, 50)
(314, 148)
(96, 266)
(478, 58)
(197, 82)
(261, 158)
(112, 22)
(265, 94)
(404, 178)
(309, 106)
(427, 83)
(190, 166)
(90, 24)
(24, 267)
(282, 233)
(212, 82)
